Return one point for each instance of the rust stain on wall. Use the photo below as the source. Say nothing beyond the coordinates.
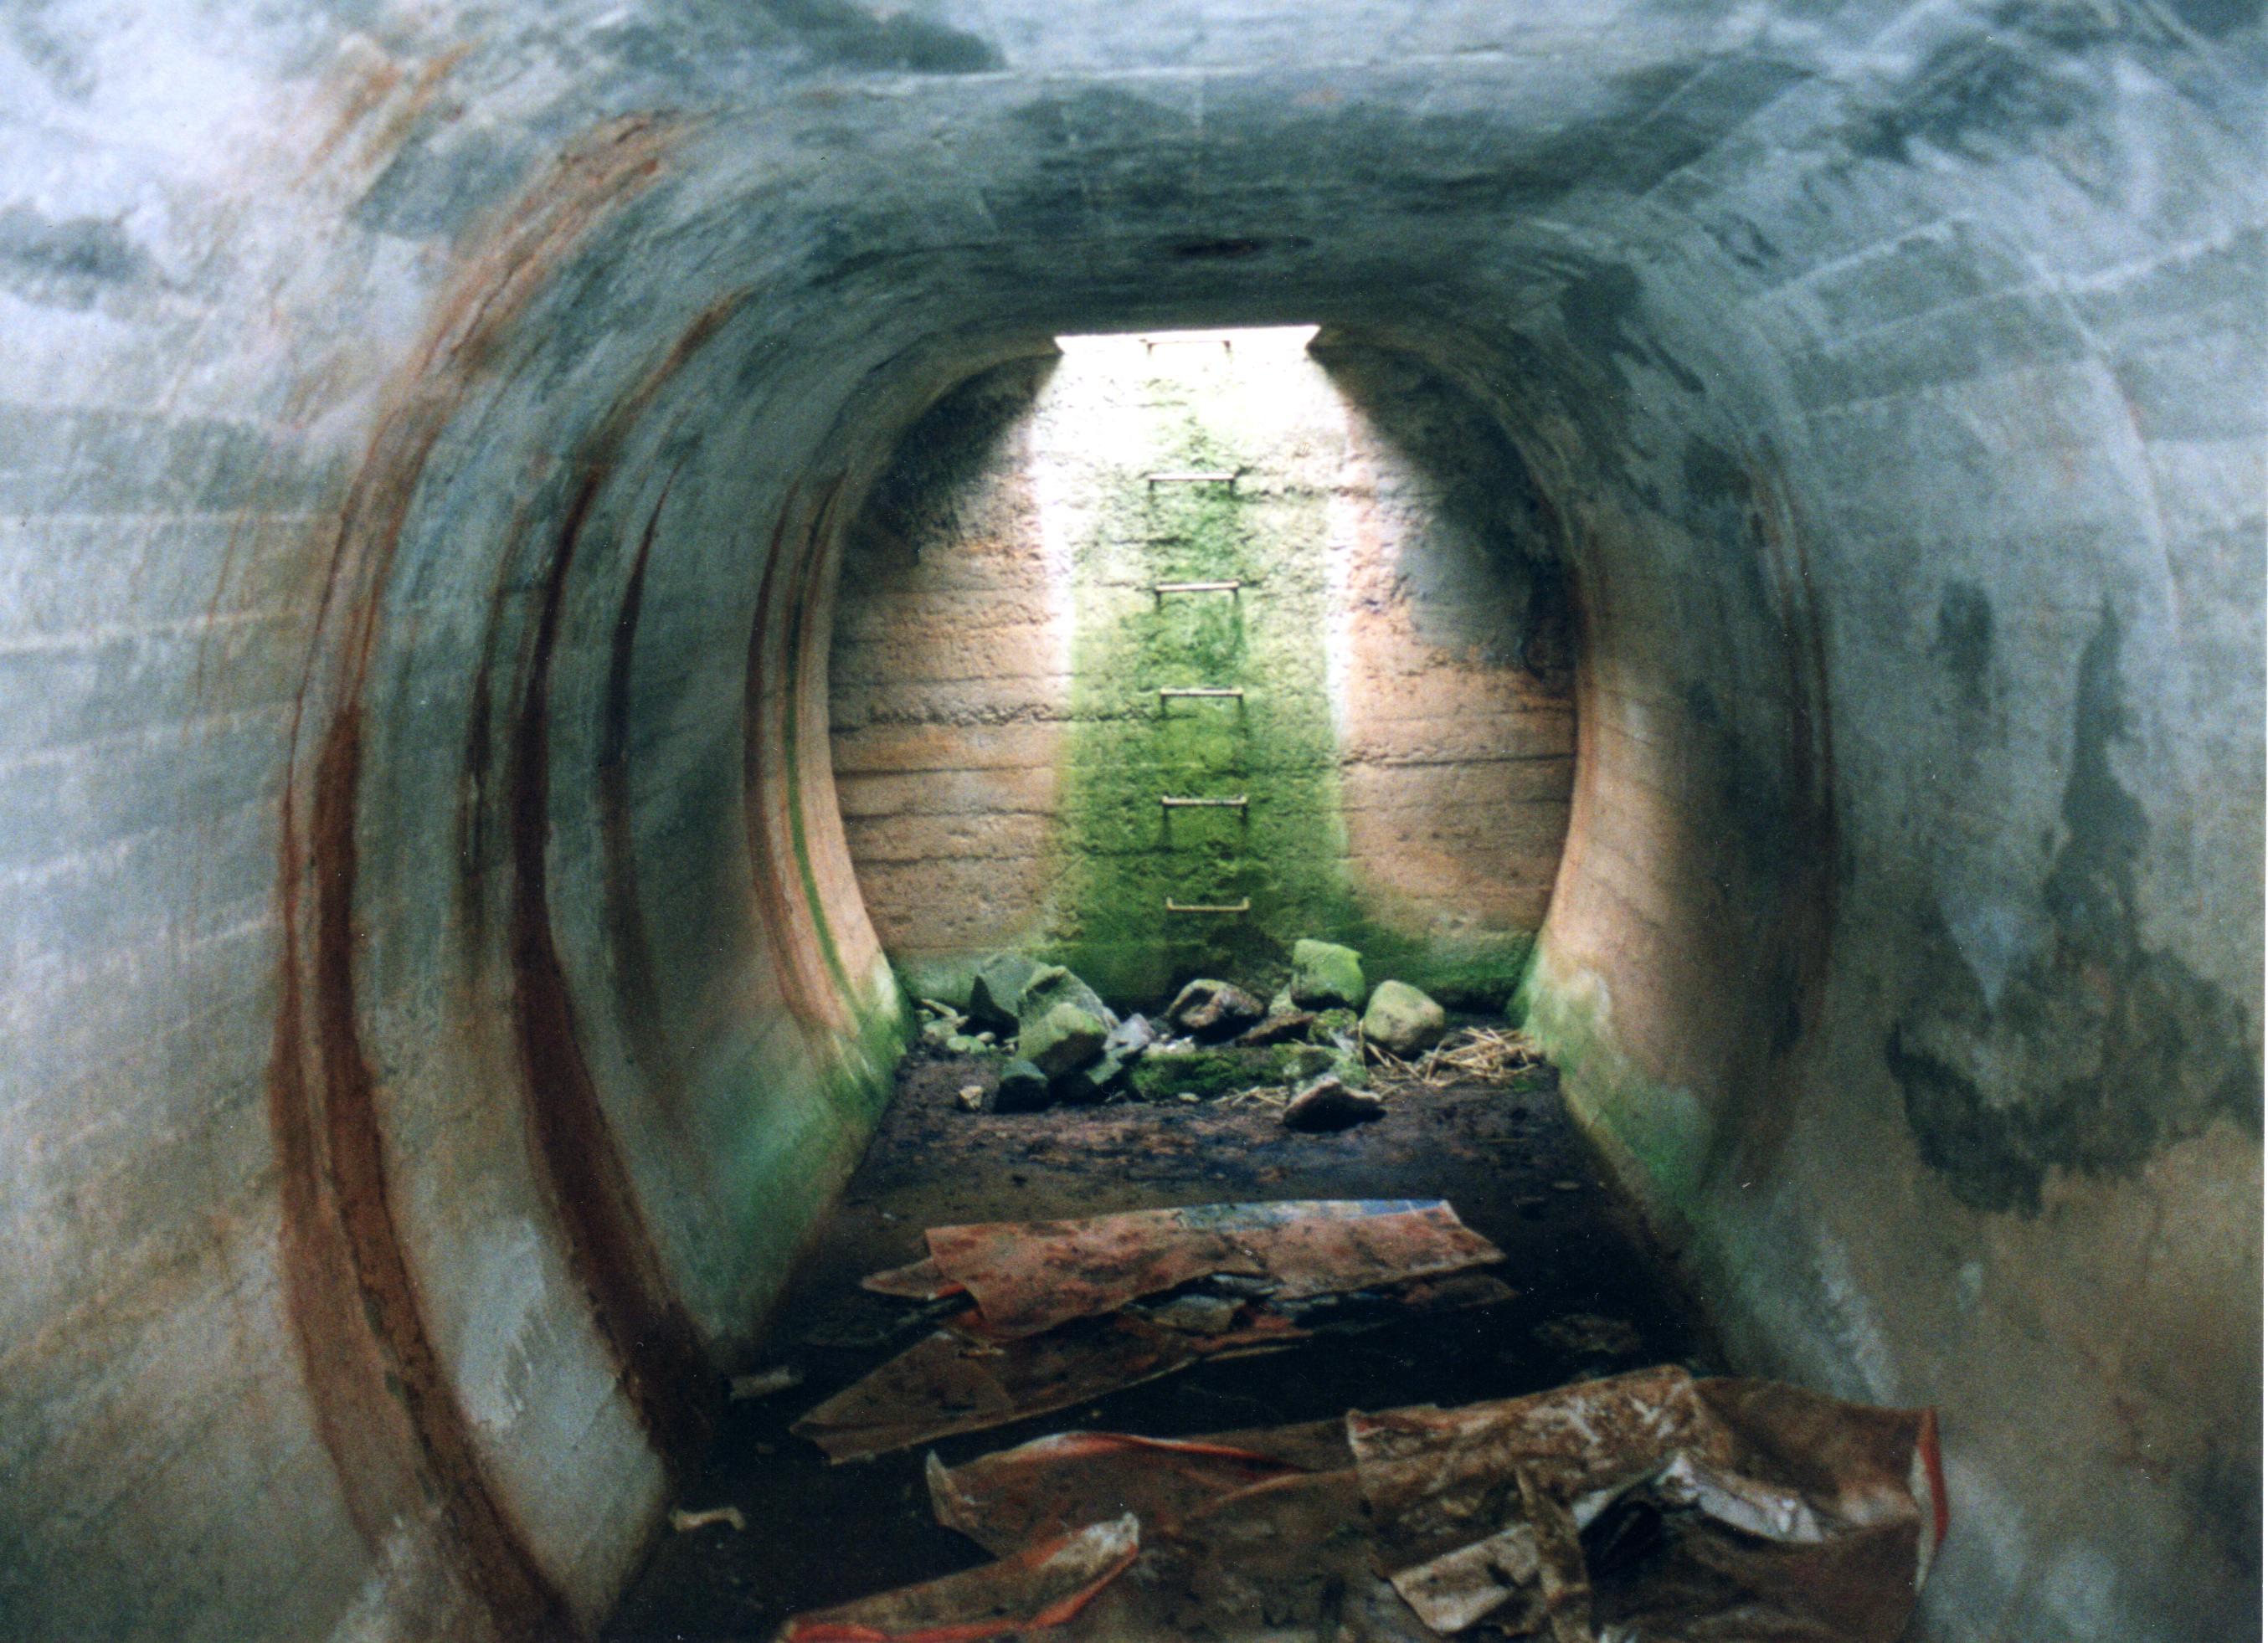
(628, 938)
(650, 1335)
(769, 785)
(397, 1434)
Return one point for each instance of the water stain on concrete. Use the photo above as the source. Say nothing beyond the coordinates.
(2097, 1052)
(69, 262)
(1964, 641)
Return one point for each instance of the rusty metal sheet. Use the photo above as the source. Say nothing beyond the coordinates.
(1678, 1510)
(960, 1379)
(1429, 1475)
(1251, 1535)
(920, 1282)
(1043, 1585)
(1649, 1509)
(946, 1383)
(1029, 1276)
(1040, 1489)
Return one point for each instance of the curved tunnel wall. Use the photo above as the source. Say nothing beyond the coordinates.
(438, 996)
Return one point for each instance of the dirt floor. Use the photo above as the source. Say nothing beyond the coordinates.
(1590, 1299)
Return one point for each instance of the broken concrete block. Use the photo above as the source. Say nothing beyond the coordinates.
(1023, 1088)
(1090, 1085)
(1281, 1026)
(1130, 1037)
(1052, 985)
(1403, 1021)
(1065, 1037)
(1325, 975)
(1212, 1011)
(1327, 1104)
(1296, 1063)
(997, 992)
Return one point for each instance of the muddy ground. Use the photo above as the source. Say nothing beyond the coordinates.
(1503, 1153)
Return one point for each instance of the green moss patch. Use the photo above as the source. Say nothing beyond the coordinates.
(1206, 1073)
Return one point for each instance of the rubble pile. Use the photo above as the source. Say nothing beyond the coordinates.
(1311, 1051)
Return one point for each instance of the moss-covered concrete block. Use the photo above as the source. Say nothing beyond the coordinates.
(996, 992)
(1202, 1073)
(1295, 1063)
(1403, 1020)
(1326, 975)
(1050, 987)
(1023, 1088)
(1088, 1086)
(1213, 1011)
(1065, 1037)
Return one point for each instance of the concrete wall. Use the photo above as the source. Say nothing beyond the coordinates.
(438, 996)
(1404, 742)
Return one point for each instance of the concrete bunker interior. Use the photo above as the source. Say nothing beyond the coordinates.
(442, 1003)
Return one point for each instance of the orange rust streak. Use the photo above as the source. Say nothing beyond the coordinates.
(650, 1335)
(385, 1407)
(778, 882)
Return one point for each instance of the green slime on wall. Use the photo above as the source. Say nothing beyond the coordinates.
(1120, 854)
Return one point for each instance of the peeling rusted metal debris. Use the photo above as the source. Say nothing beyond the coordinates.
(1651, 1508)
(1043, 1585)
(1029, 1276)
(1066, 1311)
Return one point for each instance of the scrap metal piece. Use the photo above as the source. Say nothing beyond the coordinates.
(685, 1523)
(920, 1282)
(766, 1383)
(1045, 1585)
(1814, 1520)
(1030, 1276)
(1039, 1490)
(961, 1379)
(1731, 1511)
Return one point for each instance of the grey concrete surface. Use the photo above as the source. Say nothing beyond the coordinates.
(437, 999)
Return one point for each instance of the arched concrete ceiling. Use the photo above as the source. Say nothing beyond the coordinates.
(438, 1001)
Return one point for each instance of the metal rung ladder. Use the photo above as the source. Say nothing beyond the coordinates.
(1161, 589)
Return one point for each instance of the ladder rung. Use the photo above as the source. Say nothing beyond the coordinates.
(1173, 906)
(1161, 589)
(1173, 802)
(1191, 478)
(1200, 690)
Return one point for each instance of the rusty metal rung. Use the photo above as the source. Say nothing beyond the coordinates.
(1173, 906)
(1191, 478)
(1173, 802)
(1161, 589)
(1201, 690)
